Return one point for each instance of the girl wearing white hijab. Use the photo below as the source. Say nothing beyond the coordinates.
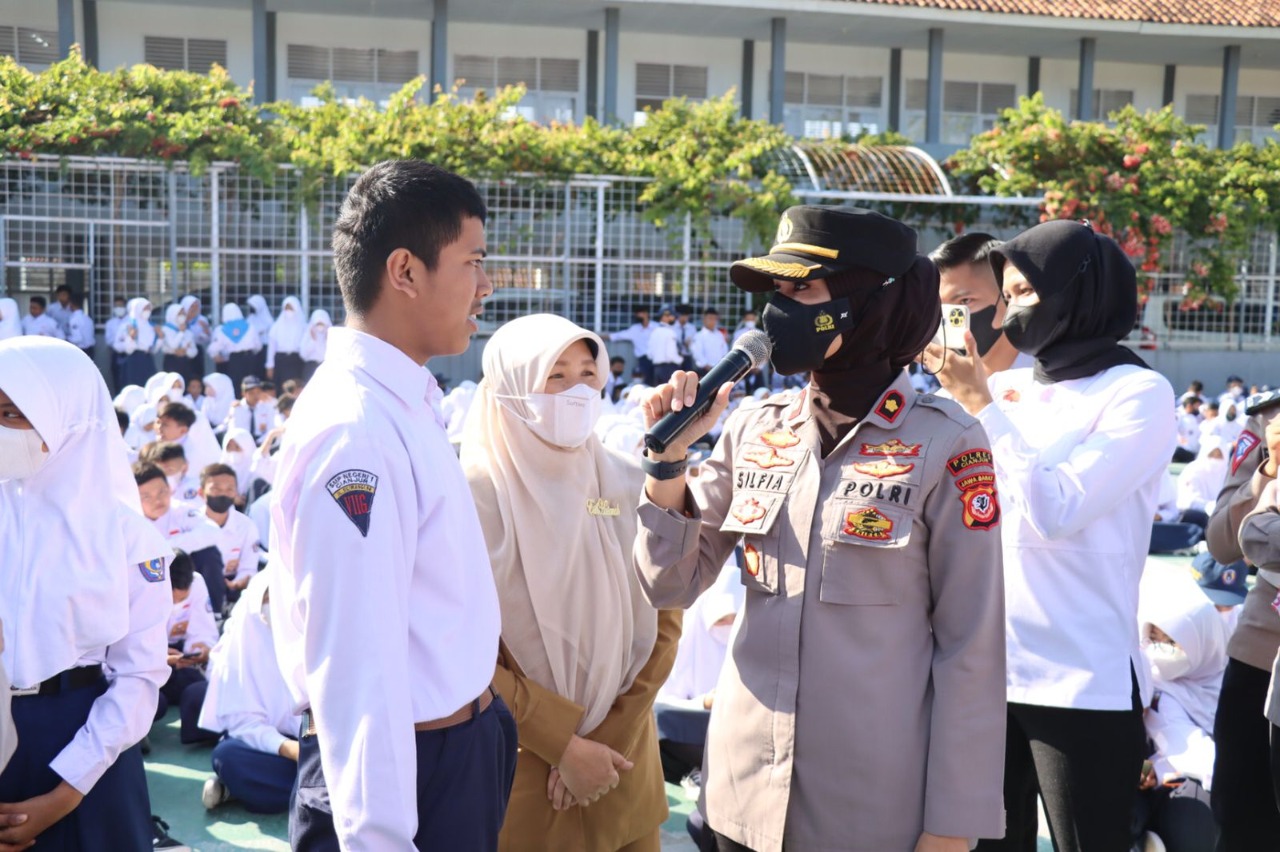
(311, 346)
(236, 346)
(582, 653)
(237, 451)
(260, 315)
(197, 322)
(10, 319)
(136, 340)
(178, 345)
(283, 340)
(219, 394)
(84, 599)
(1202, 479)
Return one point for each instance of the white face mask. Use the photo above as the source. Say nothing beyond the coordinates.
(118, 312)
(174, 481)
(720, 633)
(1168, 662)
(146, 316)
(748, 323)
(173, 394)
(566, 418)
(21, 453)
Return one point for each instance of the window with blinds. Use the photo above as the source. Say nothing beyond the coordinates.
(1105, 102)
(967, 108)
(551, 85)
(656, 83)
(1256, 117)
(184, 54)
(355, 72)
(827, 106)
(31, 47)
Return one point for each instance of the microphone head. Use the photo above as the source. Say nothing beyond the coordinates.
(757, 346)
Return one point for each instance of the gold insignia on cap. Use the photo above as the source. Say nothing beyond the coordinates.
(824, 322)
(779, 270)
(807, 248)
(784, 228)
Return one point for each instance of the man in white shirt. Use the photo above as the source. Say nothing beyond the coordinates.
(664, 347)
(38, 321)
(966, 278)
(384, 609)
(60, 310)
(709, 344)
(79, 326)
(686, 331)
(637, 334)
(237, 535)
(1188, 430)
(255, 411)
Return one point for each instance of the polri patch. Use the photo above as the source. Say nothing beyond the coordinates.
(883, 468)
(1244, 445)
(961, 462)
(891, 405)
(353, 491)
(892, 447)
(153, 570)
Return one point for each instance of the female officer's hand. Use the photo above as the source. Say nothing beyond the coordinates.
(677, 393)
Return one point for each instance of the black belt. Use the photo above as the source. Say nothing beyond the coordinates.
(77, 678)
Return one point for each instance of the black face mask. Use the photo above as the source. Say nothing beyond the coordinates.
(983, 333)
(219, 504)
(1033, 328)
(801, 334)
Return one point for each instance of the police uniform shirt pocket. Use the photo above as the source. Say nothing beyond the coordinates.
(864, 553)
(760, 568)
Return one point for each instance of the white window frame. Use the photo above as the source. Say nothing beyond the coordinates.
(959, 123)
(377, 90)
(805, 117)
(543, 101)
(1105, 102)
(32, 47)
(1252, 114)
(689, 81)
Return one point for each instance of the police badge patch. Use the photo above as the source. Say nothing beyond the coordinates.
(1244, 445)
(353, 491)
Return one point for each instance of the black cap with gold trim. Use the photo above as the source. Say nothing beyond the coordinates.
(817, 242)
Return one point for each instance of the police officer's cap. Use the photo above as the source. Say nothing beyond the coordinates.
(817, 242)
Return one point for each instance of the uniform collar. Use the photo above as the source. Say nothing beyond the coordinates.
(888, 412)
(389, 366)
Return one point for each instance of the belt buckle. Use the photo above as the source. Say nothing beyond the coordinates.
(16, 692)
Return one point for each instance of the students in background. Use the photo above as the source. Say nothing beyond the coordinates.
(235, 346)
(709, 344)
(237, 536)
(80, 332)
(197, 323)
(219, 397)
(177, 345)
(284, 362)
(135, 340)
(60, 310)
(192, 633)
(255, 411)
(637, 334)
(237, 454)
(1200, 482)
(184, 526)
(110, 332)
(38, 322)
(184, 485)
(311, 346)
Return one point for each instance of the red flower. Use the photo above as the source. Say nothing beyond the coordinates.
(1141, 149)
(228, 103)
(1132, 161)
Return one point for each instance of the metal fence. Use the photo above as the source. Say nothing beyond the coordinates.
(581, 248)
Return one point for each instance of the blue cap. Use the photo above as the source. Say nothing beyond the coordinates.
(1223, 584)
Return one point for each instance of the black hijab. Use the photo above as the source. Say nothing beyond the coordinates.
(1088, 298)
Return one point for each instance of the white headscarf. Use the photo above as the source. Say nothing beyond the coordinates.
(173, 329)
(1176, 605)
(259, 316)
(703, 646)
(75, 524)
(312, 345)
(218, 406)
(10, 319)
(454, 407)
(129, 398)
(197, 325)
(146, 339)
(573, 615)
(240, 460)
(287, 331)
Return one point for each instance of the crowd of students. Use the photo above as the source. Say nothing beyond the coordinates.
(908, 615)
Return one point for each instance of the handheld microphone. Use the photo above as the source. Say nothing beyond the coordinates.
(751, 351)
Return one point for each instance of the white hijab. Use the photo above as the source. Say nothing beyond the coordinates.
(703, 646)
(313, 341)
(75, 524)
(174, 330)
(288, 329)
(1177, 606)
(129, 398)
(573, 615)
(240, 460)
(259, 316)
(146, 339)
(218, 406)
(10, 319)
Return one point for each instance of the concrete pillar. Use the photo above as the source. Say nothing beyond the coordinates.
(1084, 85)
(270, 91)
(778, 70)
(593, 74)
(260, 69)
(748, 88)
(1033, 75)
(1227, 101)
(90, 45)
(933, 104)
(895, 89)
(1170, 80)
(66, 27)
(612, 25)
(439, 47)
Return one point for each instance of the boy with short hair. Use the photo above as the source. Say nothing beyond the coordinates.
(192, 631)
(237, 537)
(172, 459)
(186, 528)
(38, 322)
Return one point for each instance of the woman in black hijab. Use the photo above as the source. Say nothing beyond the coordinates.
(1081, 443)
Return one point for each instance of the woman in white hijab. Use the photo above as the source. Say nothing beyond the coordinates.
(178, 345)
(582, 654)
(135, 341)
(84, 599)
(197, 322)
(237, 451)
(313, 343)
(1201, 480)
(219, 395)
(283, 340)
(260, 315)
(10, 319)
(236, 347)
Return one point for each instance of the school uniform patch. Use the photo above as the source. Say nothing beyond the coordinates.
(891, 405)
(353, 491)
(892, 447)
(751, 559)
(153, 570)
(883, 468)
(781, 439)
(1244, 445)
(961, 462)
(1011, 395)
(767, 457)
(981, 506)
(868, 524)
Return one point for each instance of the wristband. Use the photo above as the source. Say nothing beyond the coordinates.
(663, 470)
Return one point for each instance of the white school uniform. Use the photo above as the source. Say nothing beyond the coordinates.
(43, 325)
(143, 336)
(111, 329)
(60, 315)
(259, 316)
(638, 336)
(238, 542)
(191, 620)
(257, 420)
(186, 527)
(368, 478)
(663, 347)
(1079, 465)
(200, 328)
(704, 645)
(709, 346)
(80, 330)
(1189, 432)
(1202, 479)
(285, 335)
(248, 697)
(224, 342)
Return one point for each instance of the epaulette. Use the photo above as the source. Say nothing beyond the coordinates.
(949, 407)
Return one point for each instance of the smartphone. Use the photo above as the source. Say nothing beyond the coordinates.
(955, 322)
(194, 656)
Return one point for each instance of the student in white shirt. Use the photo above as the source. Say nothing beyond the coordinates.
(664, 347)
(178, 345)
(1188, 430)
(255, 411)
(192, 634)
(237, 536)
(1201, 481)
(109, 332)
(1080, 445)
(235, 346)
(219, 396)
(10, 319)
(284, 362)
(135, 340)
(60, 310)
(237, 453)
(311, 346)
(184, 484)
(198, 324)
(709, 344)
(185, 527)
(177, 422)
(38, 322)
(83, 599)
(247, 697)
(79, 327)
(260, 316)
(367, 477)
(637, 334)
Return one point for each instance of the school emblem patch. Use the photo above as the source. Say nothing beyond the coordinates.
(749, 511)
(751, 558)
(767, 457)
(353, 491)
(153, 570)
(869, 524)
(891, 447)
(781, 439)
(883, 468)
(891, 405)
(1244, 445)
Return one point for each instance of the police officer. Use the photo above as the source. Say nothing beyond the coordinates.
(1242, 799)
(862, 705)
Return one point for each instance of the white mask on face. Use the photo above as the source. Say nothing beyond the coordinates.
(566, 418)
(118, 312)
(146, 315)
(174, 481)
(748, 323)
(174, 394)
(21, 453)
(720, 633)
(1168, 662)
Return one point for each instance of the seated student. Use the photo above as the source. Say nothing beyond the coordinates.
(179, 423)
(237, 536)
(247, 697)
(255, 411)
(1200, 482)
(172, 459)
(192, 633)
(185, 527)
(1185, 643)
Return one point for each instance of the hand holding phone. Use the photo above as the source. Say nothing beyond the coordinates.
(955, 322)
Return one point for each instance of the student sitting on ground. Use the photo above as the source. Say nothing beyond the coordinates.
(184, 487)
(186, 527)
(192, 632)
(237, 536)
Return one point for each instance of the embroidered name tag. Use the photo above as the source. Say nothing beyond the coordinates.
(602, 507)
(353, 491)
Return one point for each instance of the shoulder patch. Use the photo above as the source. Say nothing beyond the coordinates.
(353, 490)
(1245, 444)
(153, 570)
(961, 462)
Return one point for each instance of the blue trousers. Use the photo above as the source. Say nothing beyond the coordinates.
(464, 780)
(261, 782)
(116, 814)
(189, 706)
